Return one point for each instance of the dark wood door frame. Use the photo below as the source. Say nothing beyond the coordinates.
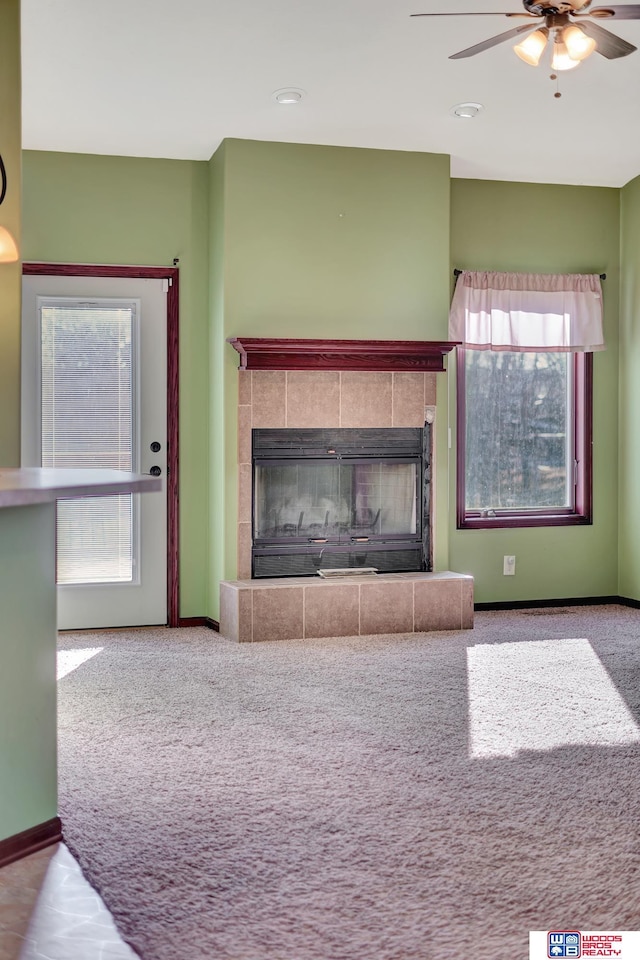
(172, 274)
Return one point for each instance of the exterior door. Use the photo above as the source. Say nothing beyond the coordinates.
(94, 388)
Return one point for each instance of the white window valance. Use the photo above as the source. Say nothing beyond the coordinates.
(527, 311)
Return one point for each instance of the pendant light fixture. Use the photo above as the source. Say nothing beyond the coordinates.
(8, 247)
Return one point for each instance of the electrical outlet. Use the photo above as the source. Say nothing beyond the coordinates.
(509, 566)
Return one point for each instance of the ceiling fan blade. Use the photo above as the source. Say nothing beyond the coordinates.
(608, 44)
(461, 13)
(630, 12)
(492, 42)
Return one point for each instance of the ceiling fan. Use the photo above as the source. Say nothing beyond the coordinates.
(571, 25)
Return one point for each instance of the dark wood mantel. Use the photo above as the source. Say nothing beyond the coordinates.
(257, 353)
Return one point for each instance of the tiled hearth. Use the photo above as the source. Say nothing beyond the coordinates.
(305, 607)
(301, 608)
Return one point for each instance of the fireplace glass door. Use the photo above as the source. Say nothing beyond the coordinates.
(335, 500)
(315, 509)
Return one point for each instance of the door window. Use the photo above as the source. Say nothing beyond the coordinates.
(88, 408)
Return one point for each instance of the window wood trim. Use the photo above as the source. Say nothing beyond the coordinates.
(582, 512)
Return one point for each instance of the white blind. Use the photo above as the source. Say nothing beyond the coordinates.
(88, 411)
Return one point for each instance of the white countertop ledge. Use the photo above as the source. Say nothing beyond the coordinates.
(21, 486)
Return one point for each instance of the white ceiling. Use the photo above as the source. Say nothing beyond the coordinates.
(172, 78)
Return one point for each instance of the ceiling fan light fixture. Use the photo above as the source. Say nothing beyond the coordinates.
(561, 59)
(532, 47)
(8, 247)
(579, 45)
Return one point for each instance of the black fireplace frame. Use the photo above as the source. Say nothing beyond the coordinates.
(298, 554)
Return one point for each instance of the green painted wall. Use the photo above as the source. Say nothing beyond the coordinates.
(547, 229)
(327, 242)
(10, 274)
(629, 447)
(320, 239)
(95, 209)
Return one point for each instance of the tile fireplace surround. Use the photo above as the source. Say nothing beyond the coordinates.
(386, 396)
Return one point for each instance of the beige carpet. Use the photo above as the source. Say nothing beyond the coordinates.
(382, 798)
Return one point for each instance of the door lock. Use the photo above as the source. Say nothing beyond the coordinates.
(155, 471)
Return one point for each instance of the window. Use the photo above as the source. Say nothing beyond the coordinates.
(88, 408)
(524, 438)
(525, 373)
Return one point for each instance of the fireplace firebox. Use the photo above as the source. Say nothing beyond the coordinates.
(325, 499)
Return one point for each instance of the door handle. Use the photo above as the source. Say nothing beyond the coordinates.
(155, 471)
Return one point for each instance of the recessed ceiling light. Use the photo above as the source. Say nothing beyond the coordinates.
(289, 95)
(467, 111)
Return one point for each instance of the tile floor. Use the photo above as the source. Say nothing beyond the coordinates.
(48, 911)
